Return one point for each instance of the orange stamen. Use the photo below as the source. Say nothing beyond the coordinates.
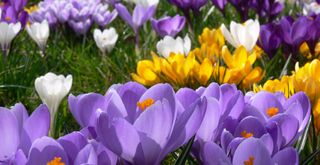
(56, 161)
(246, 134)
(145, 104)
(272, 111)
(249, 161)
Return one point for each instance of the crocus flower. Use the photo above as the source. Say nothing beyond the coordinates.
(82, 150)
(312, 8)
(250, 151)
(219, 3)
(141, 15)
(52, 89)
(293, 112)
(269, 39)
(105, 40)
(130, 110)
(46, 150)
(170, 45)
(8, 32)
(168, 26)
(185, 6)
(45, 10)
(102, 16)
(268, 9)
(245, 34)
(295, 32)
(21, 131)
(13, 12)
(39, 32)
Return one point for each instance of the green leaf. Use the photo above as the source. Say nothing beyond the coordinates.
(185, 152)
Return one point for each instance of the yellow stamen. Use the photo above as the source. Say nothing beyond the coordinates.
(31, 9)
(56, 161)
(272, 111)
(7, 18)
(249, 161)
(246, 134)
(145, 104)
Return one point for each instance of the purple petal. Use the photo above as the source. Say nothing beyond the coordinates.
(87, 156)
(36, 126)
(286, 156)
(252, 148)
(9, 131)
(44, 150)
(124, 14)
(213, 155)
(118, 135)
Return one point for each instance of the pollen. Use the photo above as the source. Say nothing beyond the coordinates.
(249, 161)
(272, 111)
(145, 104)
(246, 134)
(56, 161)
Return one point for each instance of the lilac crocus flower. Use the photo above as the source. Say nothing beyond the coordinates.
(291, 115)
(269, 39)
(250, 151)
(102, 16)
(21, 130)
(46, 150)
(46, 11)
(170, 26)
(130, 110)
(80, 15)
(141, 14)
(81, 150)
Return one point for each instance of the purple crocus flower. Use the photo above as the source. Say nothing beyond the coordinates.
(250, 151)
(186, 5)
(21, 131)
(141, 14)
(291, 115)
(46, 150)
(81, 150)
(220, 4)
(130, 110)
(267, 8)
(80, 15)
(269, 39)
(46, 11)
(170, 26)
(294, 32)
(13, 12)
(102, 16)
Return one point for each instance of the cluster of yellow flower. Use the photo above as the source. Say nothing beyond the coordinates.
(304, 79)
(212, 61)
(310, 53)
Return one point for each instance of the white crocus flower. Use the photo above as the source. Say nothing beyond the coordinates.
(52, 88)
(245, 34)
(313, 7)
(7, 34)
(170, 45)
(39, 32)
(105, 40)
(147, 3)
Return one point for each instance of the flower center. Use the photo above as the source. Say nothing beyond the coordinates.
(272, 111)
(56, 161)
(249, 161)
(145, 104)
(246, 134)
